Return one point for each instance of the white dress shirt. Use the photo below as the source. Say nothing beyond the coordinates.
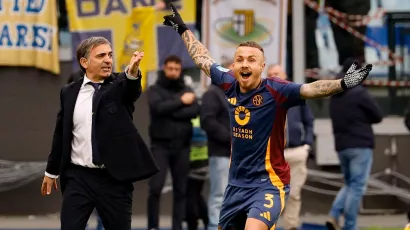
(81, 146)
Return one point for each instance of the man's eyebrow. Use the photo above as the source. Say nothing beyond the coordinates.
(104, 53)
(253, 55)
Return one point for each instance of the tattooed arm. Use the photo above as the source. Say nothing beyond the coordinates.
(198, 52)
(321, 88)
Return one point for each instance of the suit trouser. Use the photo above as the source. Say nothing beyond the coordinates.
(177, 160)
(86, 189)
(296, 158)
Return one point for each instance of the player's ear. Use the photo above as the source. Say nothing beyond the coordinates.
(263, 66)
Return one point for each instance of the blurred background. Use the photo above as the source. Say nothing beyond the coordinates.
(311, 39)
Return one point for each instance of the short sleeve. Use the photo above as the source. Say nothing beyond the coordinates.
(221, 76)
(286, 93)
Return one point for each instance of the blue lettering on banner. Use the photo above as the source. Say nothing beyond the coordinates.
(5, 34)
(26, 36)
(115, 5)
(35, 6)
(20, 35)
(95, 9)
(29, 6)
(112, 6)
(16, 7)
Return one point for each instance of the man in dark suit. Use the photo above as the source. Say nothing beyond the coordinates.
(74, 77)
(96, 149)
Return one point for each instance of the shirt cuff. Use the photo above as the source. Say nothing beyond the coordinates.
(50, 175)
(129, 76)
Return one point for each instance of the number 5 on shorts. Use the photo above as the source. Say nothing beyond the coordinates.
(269, 198)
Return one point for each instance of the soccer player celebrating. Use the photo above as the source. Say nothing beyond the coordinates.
(258, 175)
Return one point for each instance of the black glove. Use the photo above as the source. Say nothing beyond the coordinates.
(354, 76)
(175, 21)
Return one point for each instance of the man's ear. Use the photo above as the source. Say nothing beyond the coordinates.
(263, 66)
(84, 62)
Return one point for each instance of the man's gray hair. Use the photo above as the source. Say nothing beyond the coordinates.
(85, 47)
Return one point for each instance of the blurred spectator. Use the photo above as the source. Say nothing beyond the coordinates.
(347, 44)
(172, 105)
(275, 70)
(196, 206)
(352, 112)
(299, 129)
(215, 122)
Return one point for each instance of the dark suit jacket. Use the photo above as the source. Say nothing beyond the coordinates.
(78, 75)
(123, 151)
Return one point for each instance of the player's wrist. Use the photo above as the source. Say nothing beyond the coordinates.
(343, 84)
(182, 28)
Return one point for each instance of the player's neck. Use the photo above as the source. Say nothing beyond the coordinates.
(254, 86)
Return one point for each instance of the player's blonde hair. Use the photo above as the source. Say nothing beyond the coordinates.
(251, 44)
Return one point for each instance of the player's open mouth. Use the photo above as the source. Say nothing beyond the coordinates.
(106, 69)
(245, 75)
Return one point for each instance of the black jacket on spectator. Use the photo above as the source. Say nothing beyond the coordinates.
(215, 122)
(170, 118)
(353, 112)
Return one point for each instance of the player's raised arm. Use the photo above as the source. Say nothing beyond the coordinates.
(324, 88)
(198, 52)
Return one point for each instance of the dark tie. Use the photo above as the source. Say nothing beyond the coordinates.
(96, 155)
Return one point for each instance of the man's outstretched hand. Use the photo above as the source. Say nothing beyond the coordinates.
(355, 76)
(174, 20)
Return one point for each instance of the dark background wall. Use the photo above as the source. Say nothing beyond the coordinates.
(29, 102)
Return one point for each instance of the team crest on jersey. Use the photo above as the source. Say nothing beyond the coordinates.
(232, 100)
(257, 100)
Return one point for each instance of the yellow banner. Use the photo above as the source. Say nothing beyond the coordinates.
(29, 34)
(115, 20)
(140, 36)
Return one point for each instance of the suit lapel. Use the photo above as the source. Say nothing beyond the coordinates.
(103, 88)
(72, 95)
